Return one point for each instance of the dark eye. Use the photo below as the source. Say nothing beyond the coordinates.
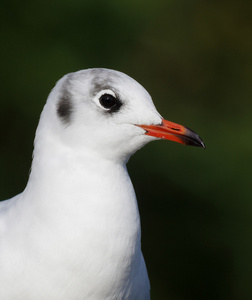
(108, 101)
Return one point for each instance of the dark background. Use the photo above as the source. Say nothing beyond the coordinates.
(194, 57)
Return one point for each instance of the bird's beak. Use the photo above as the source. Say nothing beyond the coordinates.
(174, 132)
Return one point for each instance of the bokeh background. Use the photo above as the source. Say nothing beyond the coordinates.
(194, 57)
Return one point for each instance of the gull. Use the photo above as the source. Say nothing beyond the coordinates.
(74, 232)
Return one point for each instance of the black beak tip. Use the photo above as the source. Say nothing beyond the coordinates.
(193, 139)
(203, 145)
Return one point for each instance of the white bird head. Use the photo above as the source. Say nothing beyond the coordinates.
(106, 113)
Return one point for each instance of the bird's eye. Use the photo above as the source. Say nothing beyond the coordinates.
(108, 101)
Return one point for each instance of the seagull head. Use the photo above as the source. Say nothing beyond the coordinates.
(106, 113)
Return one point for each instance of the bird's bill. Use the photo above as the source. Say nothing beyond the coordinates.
(174, 132)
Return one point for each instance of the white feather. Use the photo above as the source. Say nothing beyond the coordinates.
(74, 233)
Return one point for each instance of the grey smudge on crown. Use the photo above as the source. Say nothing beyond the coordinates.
(102, 80)
(65, 105)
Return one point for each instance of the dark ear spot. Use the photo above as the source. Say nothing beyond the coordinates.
(65, 105)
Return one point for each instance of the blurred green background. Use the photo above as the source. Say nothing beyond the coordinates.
(195, 59)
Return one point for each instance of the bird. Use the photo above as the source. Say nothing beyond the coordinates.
(74, 232)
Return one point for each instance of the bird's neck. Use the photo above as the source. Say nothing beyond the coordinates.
(82, 190)
(84, 209)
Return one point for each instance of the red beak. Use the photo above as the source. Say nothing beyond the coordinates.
(174, 132)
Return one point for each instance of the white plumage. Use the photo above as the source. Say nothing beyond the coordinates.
(74, 233)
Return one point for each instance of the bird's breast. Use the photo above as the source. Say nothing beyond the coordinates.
(82, 232)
